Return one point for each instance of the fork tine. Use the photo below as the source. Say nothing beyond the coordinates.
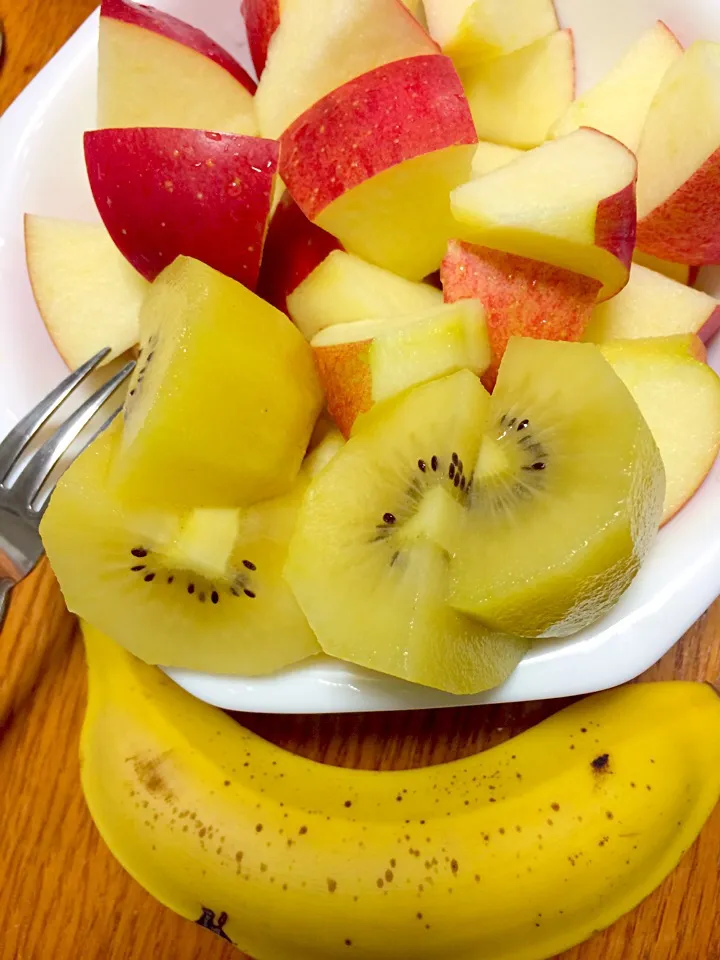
(23, 431)
(38, 469)
(41, 501)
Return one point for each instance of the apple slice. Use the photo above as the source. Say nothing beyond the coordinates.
(679, 396)
(516, 99)
(369, 361)
(88, 295)
(472, 30)
(570, 203)
(679, 162)
(164, 192)
(492, 156)
(262, 18)
(293, 248)
(374, 162)
(321, 45)
(521, 297)
(675, 271)
(344, 289)
(652, 305)
(619, 103)
(157, 71)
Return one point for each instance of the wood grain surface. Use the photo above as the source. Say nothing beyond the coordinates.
(63, 897)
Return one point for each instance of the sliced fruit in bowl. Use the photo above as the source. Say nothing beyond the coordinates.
(569, 202)
(223, 400)
(369, 559)
(521, 297)
(675, 271)
(516, 99)
(320, 47)
(87, 293)
(344, 288)
(292, 250)
(262, 18)
(565, 496)
(201, 590)
(618, 105)
(155, 70)
(471, 30)
(490, 156)
(414, 269)
(163, 192)
(653, 305)
(370, 361)
(679, 396)
(679, 160)
(385, 198)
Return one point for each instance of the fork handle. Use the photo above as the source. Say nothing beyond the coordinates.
(5, 588)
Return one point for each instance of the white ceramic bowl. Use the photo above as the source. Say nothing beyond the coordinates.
(42, 171)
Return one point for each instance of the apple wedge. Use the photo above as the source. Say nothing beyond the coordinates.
(374, 162)
(471, 30)
(675, 271)
(570, 203)
(293, 248)
(516, 99)
(321, 45)
(88, 295)
(679, 396)
(491, 156)
(521, 297)
(163, 192)
(344, 289)
(157, 71)
(619, 103)
(262, 18)
(652, 305)
(679, 162)
(369, 361)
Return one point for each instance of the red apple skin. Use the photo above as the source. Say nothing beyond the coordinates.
(521, 297)
(684, 228)
(334, 146)
(162, 192)
(293, 248)
(616, 223)
(262, 18)
(344, 371)
(710, 327)
(140, 15)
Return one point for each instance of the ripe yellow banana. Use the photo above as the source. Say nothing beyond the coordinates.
(513, 854)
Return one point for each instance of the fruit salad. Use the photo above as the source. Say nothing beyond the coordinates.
(420, 371)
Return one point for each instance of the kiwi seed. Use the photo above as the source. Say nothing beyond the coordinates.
(239, 584)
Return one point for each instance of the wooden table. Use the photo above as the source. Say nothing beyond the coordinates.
(62, 896)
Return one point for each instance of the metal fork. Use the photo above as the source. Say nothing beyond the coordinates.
(24, 492)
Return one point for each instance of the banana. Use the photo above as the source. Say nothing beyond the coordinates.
(514, 854)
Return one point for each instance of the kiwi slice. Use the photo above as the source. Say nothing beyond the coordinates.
(565, 498)
(201, 590)
(370, 557)
(223, 400)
